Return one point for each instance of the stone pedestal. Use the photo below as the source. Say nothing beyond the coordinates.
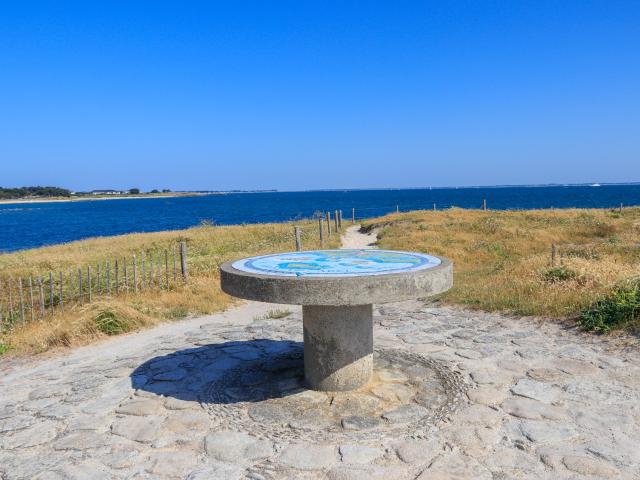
(338, 346)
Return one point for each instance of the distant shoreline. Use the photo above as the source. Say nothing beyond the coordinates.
(102, 197)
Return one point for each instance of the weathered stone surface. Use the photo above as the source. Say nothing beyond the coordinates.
(575, 367)
(547, 375)
(490, 377)
(369, 472)
(235, 447)
(47, 391)
(453, 467)
(355, 422)
(547, 432)
(405, 413)
(17, 422)
(583, 422)
(42, 432)
(487, 396)
(536, 390)
(267, 412)
(140, 429)
(418, 451)
(589, 466)
(532, 409)
(359, 453)
(170, 375)
(309, 457)
(480, 415)
(172, 403)
(217, 471)
(140, 407)
(82, 440)
(172, 464)
(470, 354)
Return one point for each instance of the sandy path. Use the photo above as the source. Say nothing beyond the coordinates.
(353, 238)
(516, 398)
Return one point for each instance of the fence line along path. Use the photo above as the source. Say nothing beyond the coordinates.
(32, 298)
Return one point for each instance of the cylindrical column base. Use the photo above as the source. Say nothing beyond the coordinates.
(338, 346)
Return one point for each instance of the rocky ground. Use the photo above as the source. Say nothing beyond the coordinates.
(457, 395)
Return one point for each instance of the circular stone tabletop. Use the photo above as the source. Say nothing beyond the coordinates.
(337, 277)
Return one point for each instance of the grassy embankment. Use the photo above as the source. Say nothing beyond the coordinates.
(502, 260)
(207, 246)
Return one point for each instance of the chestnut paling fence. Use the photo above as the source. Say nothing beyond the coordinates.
(31, 298)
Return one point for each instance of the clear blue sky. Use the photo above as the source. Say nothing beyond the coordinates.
(301, 94)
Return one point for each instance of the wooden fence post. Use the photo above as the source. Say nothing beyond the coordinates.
(89, 286)
(150, 280)
(117, 274)
(10, 298)
(51, 292)
(434, 207)
(329, 223)
(353, 216)
(41, 295)
(31, 297)
(183, 260)
(126, 276)
(21, 291)
(484, 204)
(620, 211)
(553, 254)
(80, 293)
(175, 264)
(296, 234)
(107, 277)
(335, 220)
(340, 221)
(61, 299)
(142, 270)
(397, 208)
(159, 269)
(166, 268)
(135, 274)
(71, 280)
(98, 279)
(321, 225)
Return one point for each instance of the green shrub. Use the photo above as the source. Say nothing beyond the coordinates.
(4, 348)
(618, 309)
(559, 274)
(108, 322)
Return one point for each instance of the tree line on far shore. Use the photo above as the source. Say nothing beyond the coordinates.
(24, 192)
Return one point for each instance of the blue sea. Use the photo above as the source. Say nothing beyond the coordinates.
(24, 225)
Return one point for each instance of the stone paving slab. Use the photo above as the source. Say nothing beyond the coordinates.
(539, 400)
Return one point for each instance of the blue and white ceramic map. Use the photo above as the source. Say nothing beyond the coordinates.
(337, 263)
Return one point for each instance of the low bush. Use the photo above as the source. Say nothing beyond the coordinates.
(107, 321)
(618, 309)
(559, 274)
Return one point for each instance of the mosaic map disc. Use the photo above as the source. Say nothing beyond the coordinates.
(344, 263)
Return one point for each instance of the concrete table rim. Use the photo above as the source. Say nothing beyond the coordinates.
(342, 290)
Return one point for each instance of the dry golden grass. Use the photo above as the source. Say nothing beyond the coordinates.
(207, 246)
(502, 258)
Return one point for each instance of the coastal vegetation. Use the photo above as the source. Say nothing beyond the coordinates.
(504, 260)
(208, 247)
(30, 192)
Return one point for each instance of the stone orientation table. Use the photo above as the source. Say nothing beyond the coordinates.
(337, 290)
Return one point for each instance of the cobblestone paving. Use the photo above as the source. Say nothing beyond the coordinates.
(524, 399)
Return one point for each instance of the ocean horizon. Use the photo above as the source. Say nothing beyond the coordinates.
(28, 225)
